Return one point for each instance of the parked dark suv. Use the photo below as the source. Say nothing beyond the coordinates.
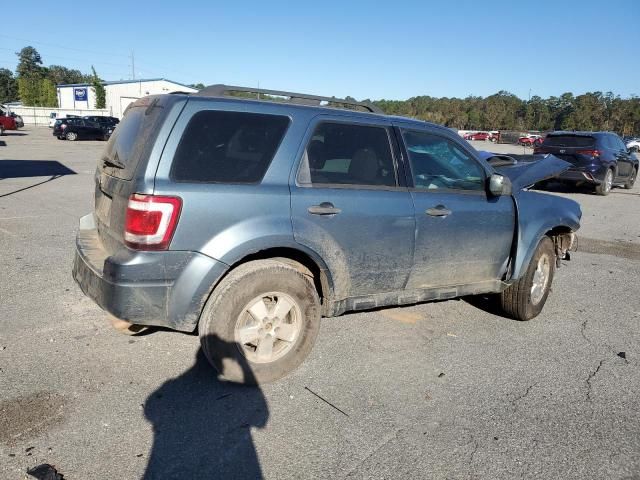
(600, 159)
(250, 219)
(73, 129)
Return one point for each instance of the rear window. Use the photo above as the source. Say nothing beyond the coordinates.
(569, 141)
(227, 147)
(134, 137)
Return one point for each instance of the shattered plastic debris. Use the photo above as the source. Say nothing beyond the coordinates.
(45, 472)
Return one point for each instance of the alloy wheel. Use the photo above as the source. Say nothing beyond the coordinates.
(268, 327)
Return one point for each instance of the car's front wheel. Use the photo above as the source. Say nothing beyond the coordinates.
(260, 322)
(524, 299)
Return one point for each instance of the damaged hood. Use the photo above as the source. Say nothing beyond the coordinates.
(525, 170)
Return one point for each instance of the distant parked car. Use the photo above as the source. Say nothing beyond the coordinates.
(80, 129)
(494, 136)
(102, 120)
(633, 144)
(600, 159)
(530, 140)
(482, 136)
(9, 120)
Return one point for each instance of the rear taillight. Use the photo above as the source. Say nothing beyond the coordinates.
(590, 153)
(150, 221)
(63, 126)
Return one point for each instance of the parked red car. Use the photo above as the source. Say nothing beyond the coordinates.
(7, 122)
(530, 140)
(484, 136)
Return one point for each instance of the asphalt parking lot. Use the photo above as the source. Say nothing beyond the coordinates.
(438, 390)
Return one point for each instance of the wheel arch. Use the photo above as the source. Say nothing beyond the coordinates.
(307, 262)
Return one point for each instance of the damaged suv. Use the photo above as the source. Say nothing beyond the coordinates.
(251, 219)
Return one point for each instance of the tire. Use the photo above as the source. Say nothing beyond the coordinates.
(605, 186)
(632, 179)
(237, 343)
(518, 301)
(71, 136)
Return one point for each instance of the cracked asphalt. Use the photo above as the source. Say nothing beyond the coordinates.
(441, 390)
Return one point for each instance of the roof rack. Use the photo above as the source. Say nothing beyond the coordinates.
(297, 98)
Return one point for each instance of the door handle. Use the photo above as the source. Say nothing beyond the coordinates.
(325, 208)
(438, 211)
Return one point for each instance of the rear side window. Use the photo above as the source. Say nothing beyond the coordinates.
(227, 147)
(343, 154)
(570, 141)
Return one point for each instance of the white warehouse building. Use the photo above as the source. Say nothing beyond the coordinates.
(119, 94)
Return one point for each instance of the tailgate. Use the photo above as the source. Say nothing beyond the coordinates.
(122, 165)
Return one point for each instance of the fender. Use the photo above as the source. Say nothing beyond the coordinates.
(539, 213)
(263, 233)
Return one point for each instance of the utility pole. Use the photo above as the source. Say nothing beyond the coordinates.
(133, 67)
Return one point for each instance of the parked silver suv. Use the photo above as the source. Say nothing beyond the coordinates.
(250, 219)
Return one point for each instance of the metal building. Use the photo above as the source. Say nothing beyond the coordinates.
(119, 94)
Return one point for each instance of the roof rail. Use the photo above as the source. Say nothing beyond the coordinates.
(298, 98)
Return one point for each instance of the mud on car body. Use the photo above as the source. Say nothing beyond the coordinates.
(250, 220)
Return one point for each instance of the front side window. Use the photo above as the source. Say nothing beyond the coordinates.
(439, 163)
(347, 154)
(227, 147)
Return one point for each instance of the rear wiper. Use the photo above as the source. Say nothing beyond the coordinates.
(111, 163)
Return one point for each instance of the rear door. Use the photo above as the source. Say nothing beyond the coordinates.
(463, 235)
(349, 206)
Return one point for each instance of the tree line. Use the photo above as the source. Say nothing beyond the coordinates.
(505, 111)
(35, 85)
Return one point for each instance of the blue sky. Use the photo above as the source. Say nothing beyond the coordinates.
(375, 50)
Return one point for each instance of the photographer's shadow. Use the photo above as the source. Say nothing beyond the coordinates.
(202, 425)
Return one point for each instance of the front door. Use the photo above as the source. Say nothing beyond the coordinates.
(348, 206)
(463, 235)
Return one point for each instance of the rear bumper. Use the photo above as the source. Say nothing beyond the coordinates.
(166, 288)
(593, 174)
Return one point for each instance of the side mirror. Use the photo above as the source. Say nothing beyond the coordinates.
(499, 185)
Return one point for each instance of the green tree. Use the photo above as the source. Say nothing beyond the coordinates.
(98, 88)
(29, 89)
(8, 86)
(29, 62)
(48, 93)
(60, 75)
(197, 86)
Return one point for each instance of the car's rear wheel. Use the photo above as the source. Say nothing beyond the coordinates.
(260, 322)
(71, 136)
(525, 299)
(605, 186)
(632, 179)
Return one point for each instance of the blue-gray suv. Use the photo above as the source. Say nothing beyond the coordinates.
(251, 218)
